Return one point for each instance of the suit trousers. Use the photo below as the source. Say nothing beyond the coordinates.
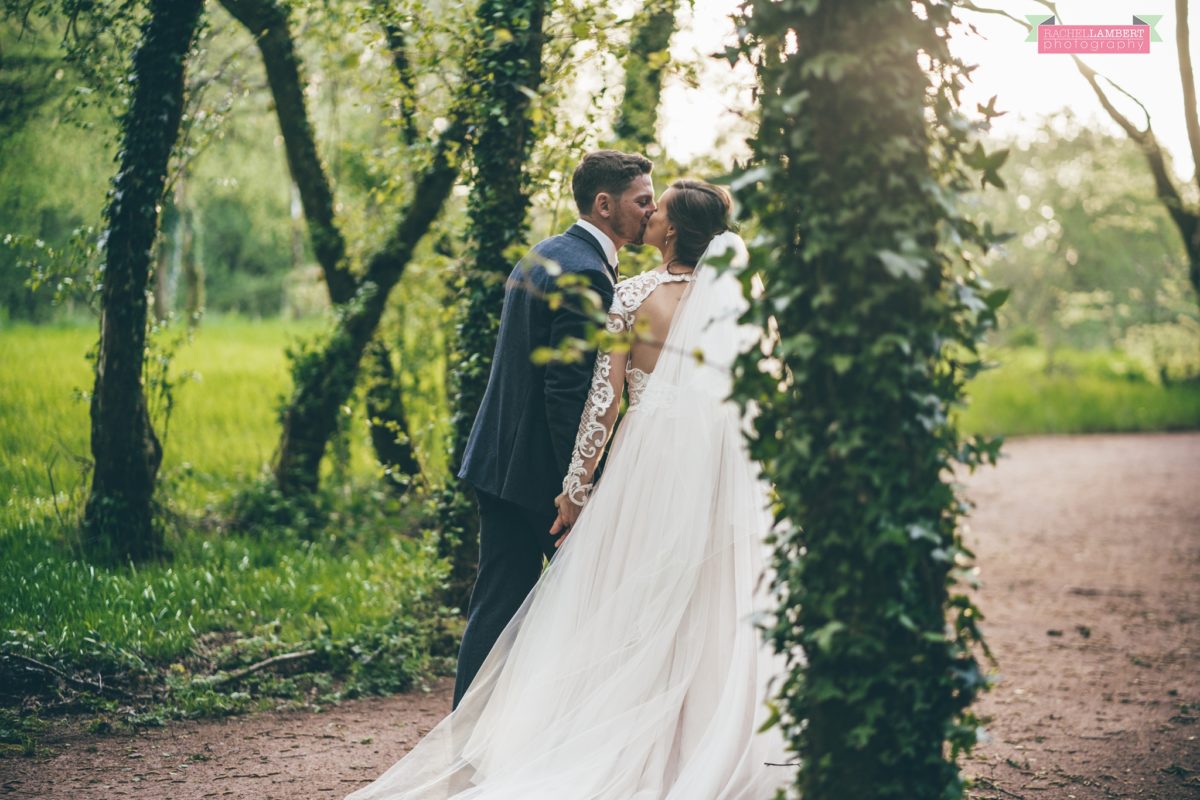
(513, 540)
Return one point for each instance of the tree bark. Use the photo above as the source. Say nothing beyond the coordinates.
(325, 379)
(193, 269)
(1187, 80)
(268, 22)
(497, 210)
(644, 66)
(162, 264)
(189, 262)
(387, 419)
(118, 518)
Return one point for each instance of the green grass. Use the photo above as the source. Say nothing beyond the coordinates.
(223, 426)
(1078, 392)
(362, 591)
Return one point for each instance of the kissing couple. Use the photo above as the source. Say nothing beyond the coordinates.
(629, 667)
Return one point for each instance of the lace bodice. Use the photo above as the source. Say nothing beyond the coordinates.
(600, 410)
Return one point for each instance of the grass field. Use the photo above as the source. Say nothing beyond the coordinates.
(360, 593)
(222, 429)
(1076, 392)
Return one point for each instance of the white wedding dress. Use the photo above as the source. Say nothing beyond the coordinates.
(633, 670)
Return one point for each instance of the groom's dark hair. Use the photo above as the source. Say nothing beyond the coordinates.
(609, 171)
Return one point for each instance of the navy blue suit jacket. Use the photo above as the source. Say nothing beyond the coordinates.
(524, 433)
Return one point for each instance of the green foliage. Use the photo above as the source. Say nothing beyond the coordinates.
(166, 638)
(873, 312)
(223, 423)
(358, 581)
(645, 64)
(1032, 391)
(1095, 261)
(511, 58)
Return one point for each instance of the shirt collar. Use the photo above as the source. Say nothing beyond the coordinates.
(610, 249)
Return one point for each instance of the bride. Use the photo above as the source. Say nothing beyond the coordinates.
(633, 670)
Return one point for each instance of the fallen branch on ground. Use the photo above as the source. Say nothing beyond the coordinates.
(79, 683)
(237, 675)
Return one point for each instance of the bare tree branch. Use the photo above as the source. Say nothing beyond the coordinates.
(1091, 76)
(238, 674)
(1187, 79)
(78, 683)
(1187, 220)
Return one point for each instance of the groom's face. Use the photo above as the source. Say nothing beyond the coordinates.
(632, 209)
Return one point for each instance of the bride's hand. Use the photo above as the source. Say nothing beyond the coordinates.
(568, 513)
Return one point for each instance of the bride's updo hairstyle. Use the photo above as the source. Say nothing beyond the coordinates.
(699, 211)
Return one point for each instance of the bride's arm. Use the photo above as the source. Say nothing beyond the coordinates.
(596, 424)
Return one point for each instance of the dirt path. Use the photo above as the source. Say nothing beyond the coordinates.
(1090, 557)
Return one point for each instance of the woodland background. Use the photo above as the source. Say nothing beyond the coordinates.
(348, 585)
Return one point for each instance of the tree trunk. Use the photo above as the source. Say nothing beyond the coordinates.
(325, 379)
(163, 251)
(118, 519)
(193, 269)
(268, 22)
(497, 210)
(189, 262)
(398, 47)
(387, 420)
(875, 321)
(644, 66)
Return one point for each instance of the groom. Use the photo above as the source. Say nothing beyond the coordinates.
(520, 446)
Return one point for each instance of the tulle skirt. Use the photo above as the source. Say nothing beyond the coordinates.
(633, 670)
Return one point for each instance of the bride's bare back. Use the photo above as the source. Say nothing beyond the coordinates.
(654, 317)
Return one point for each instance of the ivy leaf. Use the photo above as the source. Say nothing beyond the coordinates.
(997, 298)
(901, 266)
(824, 635)
(772, 718)
(989, 110)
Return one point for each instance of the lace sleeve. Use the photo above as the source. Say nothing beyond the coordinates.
(599, 414)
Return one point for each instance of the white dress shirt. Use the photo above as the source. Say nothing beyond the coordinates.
(610, 249)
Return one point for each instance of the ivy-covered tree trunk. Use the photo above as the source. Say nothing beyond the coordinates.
(876, 318)
(324, 379)
(118, 519)
(497, 210)
(387, 419)
(268, 21)
(645, 63)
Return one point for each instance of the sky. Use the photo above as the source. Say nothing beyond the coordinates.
(704, 120)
